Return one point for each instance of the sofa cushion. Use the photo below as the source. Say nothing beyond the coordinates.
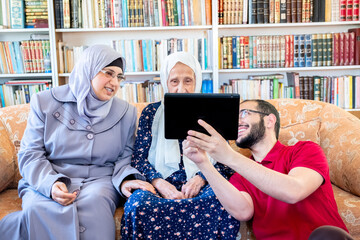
(306, 131)
(349, 210)
(340, 140)
(14, 119)
(7, 161)
(9, 202)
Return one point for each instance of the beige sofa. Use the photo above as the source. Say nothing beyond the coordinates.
(335, 130)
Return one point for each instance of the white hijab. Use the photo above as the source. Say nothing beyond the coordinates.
(93, 59)
(164, 154)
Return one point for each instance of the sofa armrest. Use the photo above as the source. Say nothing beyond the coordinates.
(7, 159)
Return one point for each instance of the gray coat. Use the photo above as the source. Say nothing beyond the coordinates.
(59, 145)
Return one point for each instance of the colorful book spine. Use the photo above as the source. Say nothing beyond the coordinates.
(17, 19)
(308, 50)
(301, 50)
(296, 50)
(329, 47)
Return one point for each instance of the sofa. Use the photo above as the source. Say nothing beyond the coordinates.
(334, 129)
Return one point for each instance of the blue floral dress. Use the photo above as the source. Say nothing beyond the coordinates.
(149, 216)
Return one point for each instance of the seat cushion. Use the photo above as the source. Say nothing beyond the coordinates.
(349, 210)
(7, 161)
(9, 202)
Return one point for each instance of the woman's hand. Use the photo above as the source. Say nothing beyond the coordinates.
(166, 189)
(60, 194)
(193, 186)
(128, 186)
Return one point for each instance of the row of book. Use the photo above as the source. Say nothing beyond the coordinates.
(141, 55)
(28, 56)
(20, 91)
(131, 13)
(151, 90)
(24, 14)
(287, 11)
(142, 91)
(305, 50)
(343, 91)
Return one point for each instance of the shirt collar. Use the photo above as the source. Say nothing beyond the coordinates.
(274, 152)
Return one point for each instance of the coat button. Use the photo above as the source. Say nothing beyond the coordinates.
(72, 121)
(57, 114)
(90, 136)
(82, 229)
(88, 127)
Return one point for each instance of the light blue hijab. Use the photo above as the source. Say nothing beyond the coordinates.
(93, 59)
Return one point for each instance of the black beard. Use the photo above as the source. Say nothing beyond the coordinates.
(256, 134)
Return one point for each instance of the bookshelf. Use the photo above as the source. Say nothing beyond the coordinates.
(222, 76)
(212, 31)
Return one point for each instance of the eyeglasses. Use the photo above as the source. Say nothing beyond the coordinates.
(245, 112)
(111, 74)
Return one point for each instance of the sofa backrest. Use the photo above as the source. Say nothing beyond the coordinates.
(13, 121)
(334, 129)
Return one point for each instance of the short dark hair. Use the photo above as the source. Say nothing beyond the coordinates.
(268, 108)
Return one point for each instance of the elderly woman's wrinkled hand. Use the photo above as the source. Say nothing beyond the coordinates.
(128, 186)
(167, 190)
(193, 186)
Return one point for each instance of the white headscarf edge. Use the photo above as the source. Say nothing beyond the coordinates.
(164, 154)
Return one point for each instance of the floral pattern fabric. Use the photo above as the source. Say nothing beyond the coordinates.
(146, 214)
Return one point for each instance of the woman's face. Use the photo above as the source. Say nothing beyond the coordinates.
(181, 79)
(107, 82)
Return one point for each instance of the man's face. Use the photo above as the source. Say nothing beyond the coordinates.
(251, 128)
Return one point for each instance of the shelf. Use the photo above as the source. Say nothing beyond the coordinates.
(135, 73)
(131, 29)
(288, 25)
(297, 69)
(26, 75)
(25, 30)
(352, 110)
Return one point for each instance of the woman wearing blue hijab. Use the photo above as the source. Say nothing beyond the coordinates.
(75, 155)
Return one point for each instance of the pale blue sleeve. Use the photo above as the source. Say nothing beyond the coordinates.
(34, 167)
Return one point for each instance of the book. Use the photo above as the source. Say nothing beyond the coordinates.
(308, 50)
(301, 50)
(296, 50)
(17, 19)
(356, 31)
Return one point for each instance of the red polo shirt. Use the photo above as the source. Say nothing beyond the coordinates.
(274, 219)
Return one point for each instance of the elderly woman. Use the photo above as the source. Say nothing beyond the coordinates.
(185, 206)
(75, 155)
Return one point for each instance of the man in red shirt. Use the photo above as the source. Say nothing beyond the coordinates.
(285, 189)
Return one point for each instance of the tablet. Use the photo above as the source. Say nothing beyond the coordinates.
(182, 110)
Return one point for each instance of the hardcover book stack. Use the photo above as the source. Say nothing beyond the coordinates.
(131, 13)
(287, 11)
(36, 13)
(305, 50)
(141, 55)
(343, 91)
(23, 56)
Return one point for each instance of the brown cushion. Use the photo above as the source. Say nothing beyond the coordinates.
(7, 161)
(349, 210)
(14, 118)
(340, 140)
(306, 131)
